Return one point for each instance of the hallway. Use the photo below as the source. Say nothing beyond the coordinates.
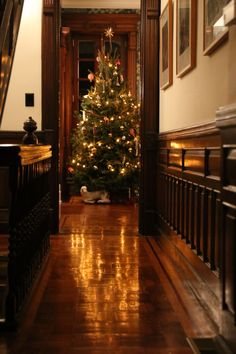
(100, 292)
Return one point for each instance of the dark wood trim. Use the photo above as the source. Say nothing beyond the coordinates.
(66, 112)
(51, 88)
(149, 114)
(97, 23)
(226, 122)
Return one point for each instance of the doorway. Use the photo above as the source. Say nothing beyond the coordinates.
(81, 40)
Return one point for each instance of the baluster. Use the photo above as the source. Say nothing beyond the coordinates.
(191, 216)
(196, 220)
(169, 199)
(173, 202)
(186, 210)
(211, 228)
(217, 230)
(181, 207)
(203, 224)
(177, 205)
(166, 198)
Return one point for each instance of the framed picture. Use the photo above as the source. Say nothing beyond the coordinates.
(215, 32)
(186, 26)
(166, 46)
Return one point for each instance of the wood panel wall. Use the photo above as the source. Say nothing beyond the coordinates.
(196, 210)
(189, 189)
(226, 122)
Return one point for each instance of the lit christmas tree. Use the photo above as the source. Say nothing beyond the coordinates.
(105, 144)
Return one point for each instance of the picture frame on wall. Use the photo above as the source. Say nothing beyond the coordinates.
(215, 32)
(186, 27)
(166, 46)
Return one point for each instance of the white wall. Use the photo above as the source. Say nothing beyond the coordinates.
(193, 99)
(26, 71)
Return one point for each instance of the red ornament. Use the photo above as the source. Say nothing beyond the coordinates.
(91, 77)
(118, 62)
(132, 132)
(70, 169)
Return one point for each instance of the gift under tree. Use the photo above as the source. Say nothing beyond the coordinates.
(105, 143)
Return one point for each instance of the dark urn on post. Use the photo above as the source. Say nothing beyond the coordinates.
(30, 126)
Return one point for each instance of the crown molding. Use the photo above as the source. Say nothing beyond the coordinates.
(101, 4)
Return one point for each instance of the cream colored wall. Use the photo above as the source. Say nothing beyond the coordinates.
(26, 71)
(193, 99)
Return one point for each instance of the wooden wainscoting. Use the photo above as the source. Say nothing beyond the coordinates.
(189, 207)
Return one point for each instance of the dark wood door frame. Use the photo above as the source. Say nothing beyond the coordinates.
(150, 10)
(50, 92)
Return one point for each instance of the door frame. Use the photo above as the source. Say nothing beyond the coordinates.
(51, 23)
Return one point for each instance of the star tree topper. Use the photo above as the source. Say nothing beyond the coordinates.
(109, 32)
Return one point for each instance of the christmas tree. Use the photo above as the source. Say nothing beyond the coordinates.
(105, 143)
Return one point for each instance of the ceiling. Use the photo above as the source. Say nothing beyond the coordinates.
(101, 4)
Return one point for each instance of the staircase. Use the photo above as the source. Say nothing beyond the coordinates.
(10, 17)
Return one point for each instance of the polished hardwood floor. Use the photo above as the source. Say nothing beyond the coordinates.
(102, 291)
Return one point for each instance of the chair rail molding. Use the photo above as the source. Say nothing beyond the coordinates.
(226, 116)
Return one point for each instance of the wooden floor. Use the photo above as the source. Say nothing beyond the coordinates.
(100, 292)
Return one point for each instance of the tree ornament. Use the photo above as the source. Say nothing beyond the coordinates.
(94, 150)
(84, 130)
(91, 77)
(117, 82)
(132, 132)
(118, 62)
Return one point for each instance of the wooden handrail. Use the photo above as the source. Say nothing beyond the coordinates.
(8, 36)
(5, 23)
